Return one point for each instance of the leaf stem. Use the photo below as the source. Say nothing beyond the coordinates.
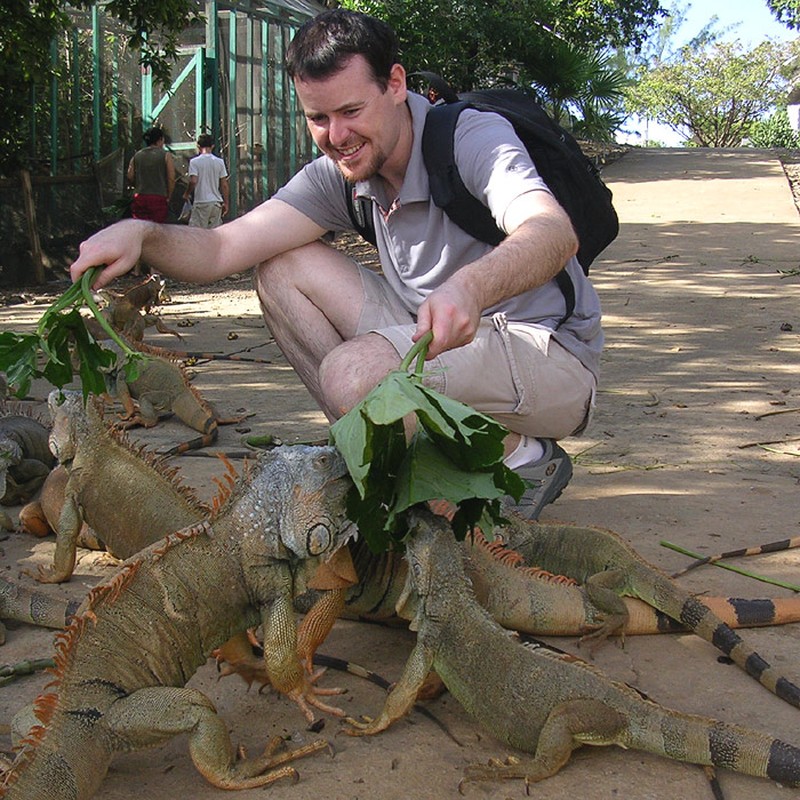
(86, 289)
(420, 349)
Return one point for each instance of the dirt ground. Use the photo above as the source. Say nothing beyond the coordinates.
(695, 441)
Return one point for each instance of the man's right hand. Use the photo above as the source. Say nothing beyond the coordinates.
(118, 247)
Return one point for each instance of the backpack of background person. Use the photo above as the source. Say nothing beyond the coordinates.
(572, 178)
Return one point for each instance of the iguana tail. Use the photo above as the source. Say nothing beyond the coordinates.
(578, 550)
(699, 740)
(34, 607)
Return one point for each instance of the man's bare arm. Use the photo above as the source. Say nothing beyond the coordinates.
(197, 255)
(540, 242)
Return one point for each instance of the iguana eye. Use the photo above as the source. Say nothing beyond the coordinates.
(318, 540)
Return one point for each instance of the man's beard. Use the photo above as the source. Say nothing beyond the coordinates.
(365, 171)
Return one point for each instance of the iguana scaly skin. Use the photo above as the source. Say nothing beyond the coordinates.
(25, 458)
(608, 567)
(521, 596)
(127, 498)
(538, 602)
(124, 660)
(527, 600)
(24, 604)
(545, 703)
(129, 312)
(40, 516)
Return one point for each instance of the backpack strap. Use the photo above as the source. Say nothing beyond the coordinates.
(451, 195)
(447, 189)
(360, 211)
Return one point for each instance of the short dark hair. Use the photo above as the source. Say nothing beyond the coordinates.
(323, 46)
(205, 140)
(153, 135)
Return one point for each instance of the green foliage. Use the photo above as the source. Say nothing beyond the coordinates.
(557, 49)
(455, 454)
(28, 31)
(774, 131)
(62, 346)
(714, 91)
(472, 43)
(786, 11)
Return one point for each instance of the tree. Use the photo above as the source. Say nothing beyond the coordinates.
(712, 92)
(472, 43)
(786, 11)
(27, 31)
(554, 48)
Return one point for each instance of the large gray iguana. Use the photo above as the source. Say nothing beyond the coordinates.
(545, 703)
(125, 495)
(137, 639)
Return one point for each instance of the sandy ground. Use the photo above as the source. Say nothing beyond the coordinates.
(703, 340)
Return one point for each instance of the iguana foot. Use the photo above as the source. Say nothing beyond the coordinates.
(269, 767)
(134, 420)
(308, 696)
(599, 633)
(366, 726)
(496, 770)
(47, 575)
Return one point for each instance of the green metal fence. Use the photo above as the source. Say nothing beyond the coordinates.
(229, 81)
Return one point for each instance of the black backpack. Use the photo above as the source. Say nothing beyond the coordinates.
(572, 178)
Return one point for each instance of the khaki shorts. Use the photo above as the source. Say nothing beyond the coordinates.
(206, 215)
(516, 373)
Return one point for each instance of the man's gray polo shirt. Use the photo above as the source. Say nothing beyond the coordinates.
(420, 247)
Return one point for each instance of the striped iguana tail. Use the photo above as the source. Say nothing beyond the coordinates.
(609, 567)
(22, 604)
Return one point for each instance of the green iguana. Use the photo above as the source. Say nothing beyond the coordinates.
(137, 639)
(162, 386)
(129, 312)
(531, 600)
(539, 701)
(519, 598)
(25, 458)
(127, 497)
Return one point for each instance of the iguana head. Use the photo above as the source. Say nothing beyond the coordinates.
(434, 563)
(68, 417)
(301, 490)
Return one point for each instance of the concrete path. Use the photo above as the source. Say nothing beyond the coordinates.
(703, 339)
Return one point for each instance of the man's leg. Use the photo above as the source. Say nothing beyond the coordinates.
(313, 301)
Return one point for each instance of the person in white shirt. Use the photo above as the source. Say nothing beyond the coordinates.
(208, 181)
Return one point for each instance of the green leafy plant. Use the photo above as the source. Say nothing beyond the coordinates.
(62, 346)
(455, 454)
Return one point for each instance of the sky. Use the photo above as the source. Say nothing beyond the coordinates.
(757, 22)
(750, 21)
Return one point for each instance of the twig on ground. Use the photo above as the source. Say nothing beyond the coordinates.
(762, 578)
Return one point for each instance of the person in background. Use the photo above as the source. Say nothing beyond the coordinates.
(151, 172)
(208, 183)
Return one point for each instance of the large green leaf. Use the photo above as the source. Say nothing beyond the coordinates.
(454, 455)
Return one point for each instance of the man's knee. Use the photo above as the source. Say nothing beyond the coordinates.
(278, 270)
(350, 371)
